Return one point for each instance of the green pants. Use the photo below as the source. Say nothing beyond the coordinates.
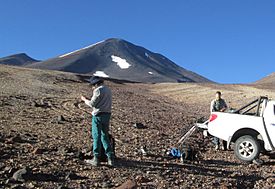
(100, 134)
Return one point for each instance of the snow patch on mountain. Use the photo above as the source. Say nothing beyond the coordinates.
(80, 49)
(122, 63)
(100, 74)
(147, 55)
(151, 73)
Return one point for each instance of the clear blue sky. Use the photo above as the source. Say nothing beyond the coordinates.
(228, 41)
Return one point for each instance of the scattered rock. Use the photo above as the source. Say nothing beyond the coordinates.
(22, 174)
(7, 181)
(82, 186)
(12, 140)
(165, 120)
(71, 176)
(143, 150)
(138, 125)
(62, 186)
(140, 179)
(8, 171)
(16, 186)
(60, 119)
(62, 151)
(2, 137)
(129, 184)
(31, 185)
(67, 151)
(38, 151)
(224, 186)
(41, 104)
(106, 185)
(34, 104)
(80, 155)
(258, 162)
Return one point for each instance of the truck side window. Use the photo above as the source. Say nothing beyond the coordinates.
(273, 109)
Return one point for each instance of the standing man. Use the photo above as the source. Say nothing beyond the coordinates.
(101, 102)
(218, 105)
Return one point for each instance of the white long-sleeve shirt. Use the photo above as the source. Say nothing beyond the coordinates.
(101, 101)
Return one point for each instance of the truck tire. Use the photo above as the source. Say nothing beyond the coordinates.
(247, 148)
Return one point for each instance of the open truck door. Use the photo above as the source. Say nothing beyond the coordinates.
(269, 119)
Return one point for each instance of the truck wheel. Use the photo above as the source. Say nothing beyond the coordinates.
(247, 148)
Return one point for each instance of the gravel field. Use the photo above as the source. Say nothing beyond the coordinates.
(43, 126)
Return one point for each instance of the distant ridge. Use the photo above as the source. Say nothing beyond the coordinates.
(268, 80)
(20, 59)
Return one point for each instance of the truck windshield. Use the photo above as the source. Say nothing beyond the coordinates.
(273, 109)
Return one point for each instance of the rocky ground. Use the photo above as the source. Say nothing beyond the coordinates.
(44, 125)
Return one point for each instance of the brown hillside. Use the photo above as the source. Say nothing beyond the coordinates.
(269, 80)
(33, 135)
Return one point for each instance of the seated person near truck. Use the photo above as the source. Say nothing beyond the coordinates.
(218, 105)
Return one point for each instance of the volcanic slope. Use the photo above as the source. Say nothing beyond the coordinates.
(268, 81)
(17, 60)
(201, 95)
(120, 59)
(43, 124)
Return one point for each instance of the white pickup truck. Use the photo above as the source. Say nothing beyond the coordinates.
(251, 128)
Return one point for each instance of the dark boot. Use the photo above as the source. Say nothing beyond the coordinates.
(224, 145)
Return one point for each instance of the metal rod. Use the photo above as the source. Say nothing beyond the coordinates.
(238, 111)
(249, 109)
(190, 132)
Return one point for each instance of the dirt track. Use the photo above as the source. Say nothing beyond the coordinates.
(33, 134)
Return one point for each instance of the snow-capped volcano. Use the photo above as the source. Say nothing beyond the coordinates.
(119, 59)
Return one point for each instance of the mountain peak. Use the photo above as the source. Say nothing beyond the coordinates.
(21, 55)
(114, 40)
(119, 59)
(20, 59)
(270, 79)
